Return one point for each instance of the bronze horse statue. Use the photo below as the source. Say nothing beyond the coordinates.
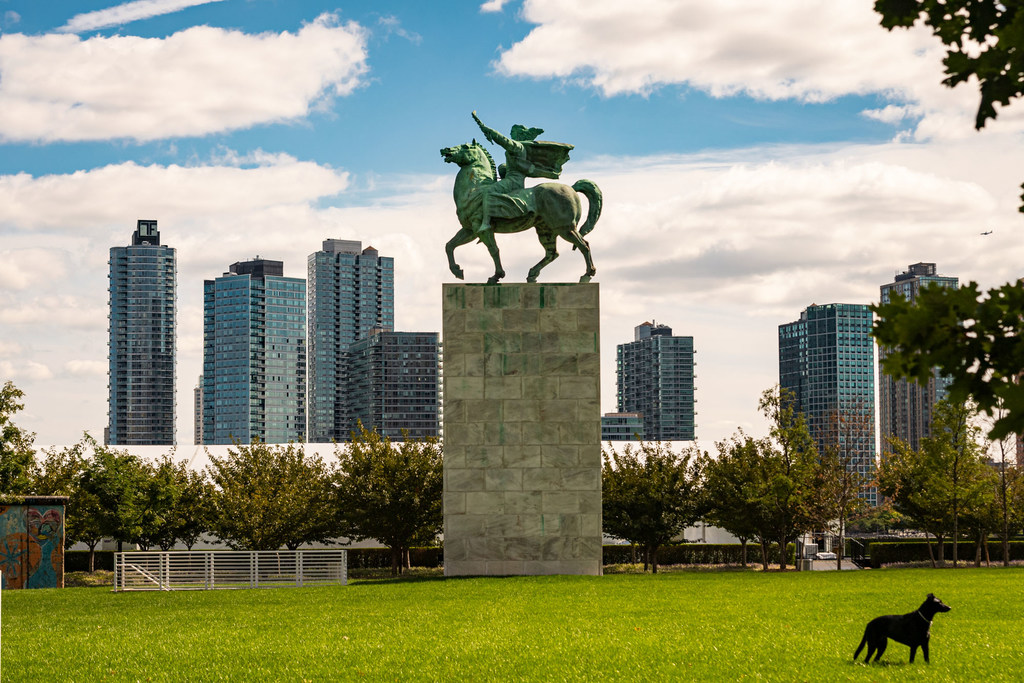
(554, 209)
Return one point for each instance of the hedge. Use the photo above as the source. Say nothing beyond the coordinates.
(380, 558)
(887, 552)
(699, 553)
(78, 560)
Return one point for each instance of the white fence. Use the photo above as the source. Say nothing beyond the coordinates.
(217, 569)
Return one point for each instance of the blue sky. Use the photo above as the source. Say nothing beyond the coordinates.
(754, 159)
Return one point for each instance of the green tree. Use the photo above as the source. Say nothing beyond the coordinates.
(791, 505)
(840, 486)
(650, 495)
(972, 338)
(267, 496)
(732, 482)
(956, 440)
(945, 482)
(159, 495)
(907, 479)
(1001, 450)
(113, 482)
(1015, 495)
(984, 40)
(60, 474)
(17, 456)
(881, 519)
(390, 492)
(192, 516)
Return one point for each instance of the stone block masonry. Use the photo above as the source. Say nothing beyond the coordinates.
(522, 429)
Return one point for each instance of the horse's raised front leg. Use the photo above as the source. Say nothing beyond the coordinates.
(487, 237)
(577, 241)
(550, 254)
(463, 236)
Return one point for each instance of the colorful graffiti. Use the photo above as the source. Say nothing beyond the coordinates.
(32, 545)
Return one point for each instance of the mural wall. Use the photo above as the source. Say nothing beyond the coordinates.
(32, 543)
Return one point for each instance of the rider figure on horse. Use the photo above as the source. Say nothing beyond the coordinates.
(525, 157)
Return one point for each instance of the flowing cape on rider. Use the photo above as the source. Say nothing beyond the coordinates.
(525, 157)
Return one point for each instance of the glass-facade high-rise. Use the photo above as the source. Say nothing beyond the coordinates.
(254, 355)
(827, 360)
(351, 295)
(392, 384)
(655, 378)
(622, 427)
(141, 359)
(905, 407)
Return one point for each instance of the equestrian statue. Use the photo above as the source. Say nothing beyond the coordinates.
(491, 200)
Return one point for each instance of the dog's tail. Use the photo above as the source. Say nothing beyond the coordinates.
(863, 642)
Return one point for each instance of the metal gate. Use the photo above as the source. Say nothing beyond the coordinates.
(221, 569)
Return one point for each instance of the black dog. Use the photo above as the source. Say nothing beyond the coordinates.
(912, 629)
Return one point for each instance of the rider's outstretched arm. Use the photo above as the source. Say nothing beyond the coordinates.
(496, 137)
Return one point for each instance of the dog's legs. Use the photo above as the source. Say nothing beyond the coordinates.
(913, 651)
(881, 649)
(924, 651)
(871, 651)
(860, 647)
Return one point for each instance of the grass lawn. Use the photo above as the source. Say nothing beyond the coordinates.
(704, 626)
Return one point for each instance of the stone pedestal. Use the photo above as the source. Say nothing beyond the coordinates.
(522, 429)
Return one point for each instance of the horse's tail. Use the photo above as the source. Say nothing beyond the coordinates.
(594, 199)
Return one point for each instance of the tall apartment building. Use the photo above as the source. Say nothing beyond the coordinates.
(351, 294)
(392, 384)
(197, 411)
(622, 427)
(827, 360)
(655, 378)
(254, 355)
(905, 407)
(141, 360)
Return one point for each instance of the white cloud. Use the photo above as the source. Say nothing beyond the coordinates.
(62, 311)
(199, 81)
(126, 13)
(22, 268)
(893, 113)
(24, 370)
(391, 24)
(493, 5)
(811, 51)
(86, 368)
(115, 195)
(10, 348)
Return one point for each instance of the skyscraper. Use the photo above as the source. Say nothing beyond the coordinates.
(392, 384)
(141, 362)
(197, 411)
(655, 378)
(351, 294)
(827, 360)
(905, 407)
(254, 355)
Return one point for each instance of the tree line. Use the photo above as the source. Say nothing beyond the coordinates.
(774, 489)
(255, 497)
(768, 490)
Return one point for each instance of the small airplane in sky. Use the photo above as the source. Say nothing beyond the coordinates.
(987, 232)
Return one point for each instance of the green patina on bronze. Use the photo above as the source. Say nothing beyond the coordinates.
(490, 199)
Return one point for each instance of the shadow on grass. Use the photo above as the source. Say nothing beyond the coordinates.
(883, 663)
(379, 576)
(680, 568)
